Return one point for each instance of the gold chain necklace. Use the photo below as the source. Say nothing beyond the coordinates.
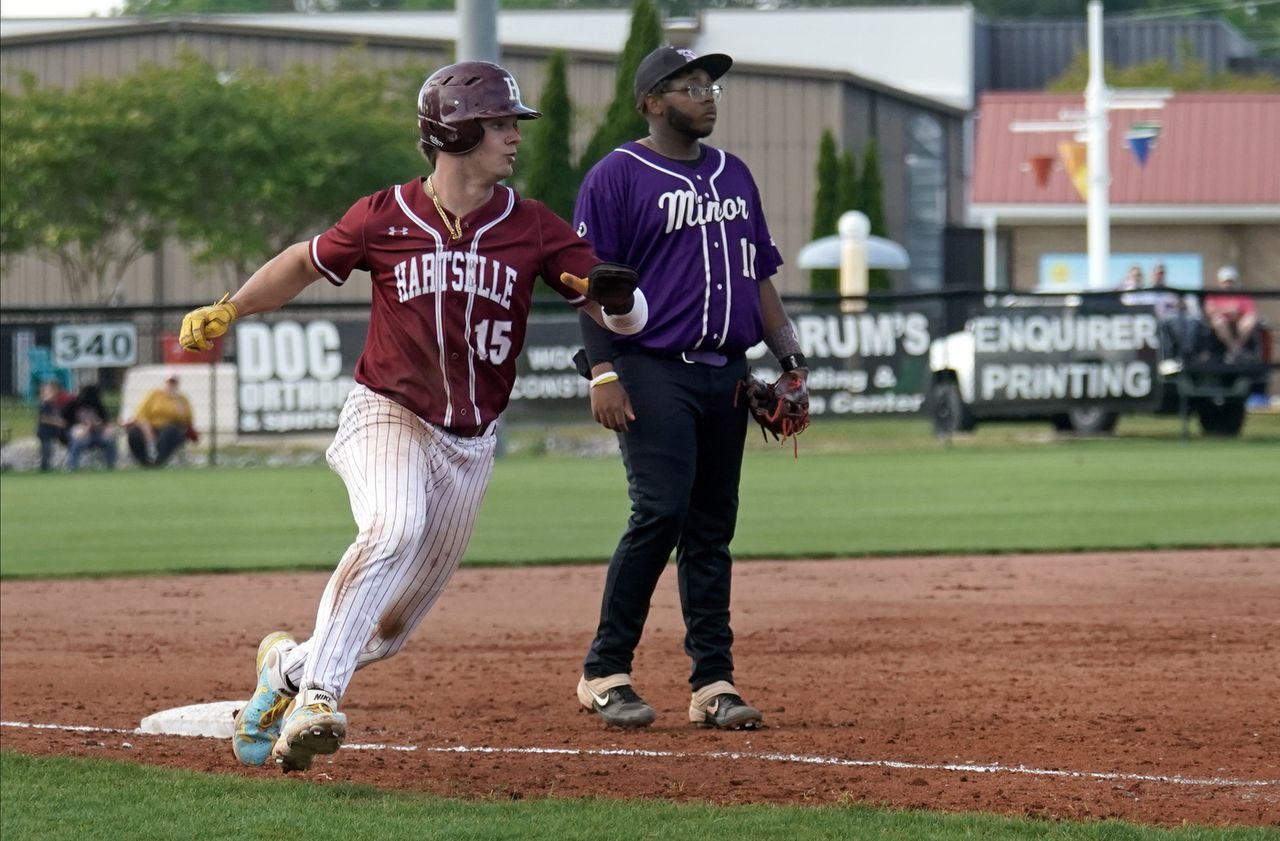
(455, 225)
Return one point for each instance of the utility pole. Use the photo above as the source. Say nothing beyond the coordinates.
(1097, 103)
(478, 31)
(1093, 127)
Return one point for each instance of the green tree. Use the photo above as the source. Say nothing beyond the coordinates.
(1188, 75)
(237, 166)
(84, 172)
(547, 173)
(621, 120)
(849, 188)
(871, 187)
(271, 158)
(826, 209)
(1259, 22)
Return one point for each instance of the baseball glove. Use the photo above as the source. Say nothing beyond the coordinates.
(200, 327)
(781, 408)
(609, 284)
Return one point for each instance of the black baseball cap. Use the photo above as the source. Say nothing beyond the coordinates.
(668, 61)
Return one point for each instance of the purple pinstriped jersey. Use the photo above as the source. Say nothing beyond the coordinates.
(696, 233)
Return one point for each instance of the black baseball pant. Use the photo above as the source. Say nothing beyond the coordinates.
(683, 455)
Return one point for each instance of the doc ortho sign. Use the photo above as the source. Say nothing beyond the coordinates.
(295, 376)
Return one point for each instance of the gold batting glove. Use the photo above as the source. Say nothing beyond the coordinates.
(200, 327)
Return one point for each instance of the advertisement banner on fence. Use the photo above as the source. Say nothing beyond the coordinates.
(1062, 356)
(545, 375)
(859, 364)
(294, 376)
(867, 363)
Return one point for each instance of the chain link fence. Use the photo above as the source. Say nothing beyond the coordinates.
(279, 380)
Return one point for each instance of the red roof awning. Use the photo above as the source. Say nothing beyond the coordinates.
(1213, 149)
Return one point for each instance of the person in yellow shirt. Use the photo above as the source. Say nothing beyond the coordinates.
(161, 425)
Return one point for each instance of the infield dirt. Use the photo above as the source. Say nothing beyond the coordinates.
(1122, 667)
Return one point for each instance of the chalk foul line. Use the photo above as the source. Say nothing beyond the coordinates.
(789, 758)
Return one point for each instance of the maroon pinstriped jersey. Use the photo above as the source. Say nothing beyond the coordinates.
(448, 318)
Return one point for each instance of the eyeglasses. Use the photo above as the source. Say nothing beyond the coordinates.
(698, 93)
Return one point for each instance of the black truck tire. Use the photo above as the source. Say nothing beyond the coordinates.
(1086, 420)
(1222, 420)
(950, 414)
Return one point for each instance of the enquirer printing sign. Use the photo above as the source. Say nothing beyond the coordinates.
(1064, 355)
(294, 377)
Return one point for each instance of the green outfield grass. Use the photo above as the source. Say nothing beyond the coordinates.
(857, 489)
(66, 799)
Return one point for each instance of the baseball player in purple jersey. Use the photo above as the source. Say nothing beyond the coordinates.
(688, 217)
(452, 259)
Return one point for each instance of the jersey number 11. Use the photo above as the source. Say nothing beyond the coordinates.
(748, 259)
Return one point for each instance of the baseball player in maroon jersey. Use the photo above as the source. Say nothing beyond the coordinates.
(688, 216)
(452, 259)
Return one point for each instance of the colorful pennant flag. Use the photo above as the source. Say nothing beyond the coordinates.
(1075, 159)
(1141, 139)
(1041, 165)
(1141, 147)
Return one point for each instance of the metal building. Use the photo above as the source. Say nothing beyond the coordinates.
(1206, 192)
(1027, 55)
(772, 117)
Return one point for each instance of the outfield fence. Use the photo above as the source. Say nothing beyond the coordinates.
(288, 372)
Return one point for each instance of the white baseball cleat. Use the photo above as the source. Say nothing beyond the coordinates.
(314, 726)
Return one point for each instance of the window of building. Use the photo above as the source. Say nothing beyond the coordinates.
(926, 201)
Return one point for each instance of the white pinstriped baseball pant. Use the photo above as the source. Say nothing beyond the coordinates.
(415, 490)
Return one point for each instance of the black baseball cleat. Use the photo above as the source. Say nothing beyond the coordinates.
(615, 701)
(719, 705)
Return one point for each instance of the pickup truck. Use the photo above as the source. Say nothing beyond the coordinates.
(1080, 362)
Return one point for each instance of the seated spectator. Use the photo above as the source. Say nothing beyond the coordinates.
(1178, 314)
(86, 418)
(162, 424)
(51, 426)
(1169, 304)
(1233, 318)
(1133, 278)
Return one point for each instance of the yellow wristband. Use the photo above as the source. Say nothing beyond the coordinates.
(606, 377)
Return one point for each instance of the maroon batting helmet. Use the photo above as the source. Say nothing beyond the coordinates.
(455, 98)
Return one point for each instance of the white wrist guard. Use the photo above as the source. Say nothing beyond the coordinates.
(630, 323)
